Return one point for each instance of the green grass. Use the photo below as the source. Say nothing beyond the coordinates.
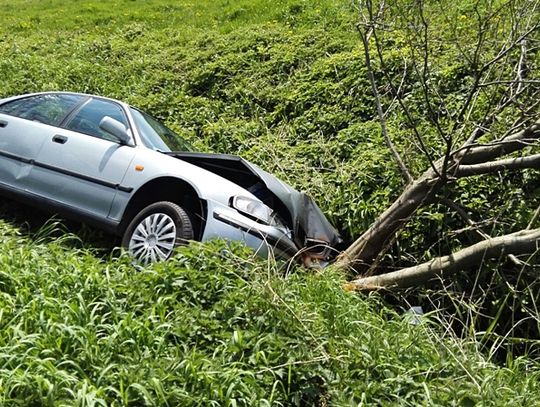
(283, 84)
(216, 326)
(182, 16)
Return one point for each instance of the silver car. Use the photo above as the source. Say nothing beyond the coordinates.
(111, 165)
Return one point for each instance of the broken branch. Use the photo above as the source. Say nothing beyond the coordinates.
(517, 163)
(522, 242)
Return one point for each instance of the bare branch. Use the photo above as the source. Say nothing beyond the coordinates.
(402, 167)
(491, 118)
(374, 241)
(481, 153)
(475, 226)
(522, 242)
(534, 218)
(511, 82)
(510, 47)
(498, 84)
(463, 215)
(483, 72)
(396, 92)
(518, 163)
(399, 89)
(521, 70)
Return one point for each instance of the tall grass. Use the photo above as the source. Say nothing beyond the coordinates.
(223, 16)
(217, 326)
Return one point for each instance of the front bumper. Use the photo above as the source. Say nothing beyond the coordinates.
(226, 222)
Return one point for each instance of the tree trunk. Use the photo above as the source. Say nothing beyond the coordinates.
(363, 252)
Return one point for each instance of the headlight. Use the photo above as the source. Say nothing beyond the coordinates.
(256, 210)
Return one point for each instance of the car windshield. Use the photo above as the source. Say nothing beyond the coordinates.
(156, 135)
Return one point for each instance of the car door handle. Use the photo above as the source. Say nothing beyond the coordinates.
(60, 139)
(3, 123)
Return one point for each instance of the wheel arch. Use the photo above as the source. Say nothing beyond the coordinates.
(167, 189)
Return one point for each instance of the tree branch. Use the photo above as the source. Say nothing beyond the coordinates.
(401, 102)
(361, 254)
(518, 163)
(401, 165)
(534, 218)
(481, 153)
(464, 215)
(522, 242)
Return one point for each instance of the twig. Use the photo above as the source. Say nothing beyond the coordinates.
(402, 167)
(465, 216)
(534, 218)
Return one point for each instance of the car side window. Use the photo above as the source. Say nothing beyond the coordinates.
(87, 119)
(48, 109)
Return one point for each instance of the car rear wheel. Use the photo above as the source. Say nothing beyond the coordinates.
(153, 234)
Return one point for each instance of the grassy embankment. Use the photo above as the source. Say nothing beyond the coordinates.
(283, 84)
(215, 326)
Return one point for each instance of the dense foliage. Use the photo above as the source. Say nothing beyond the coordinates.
(286, 79)
(284, 84)
(215, 326)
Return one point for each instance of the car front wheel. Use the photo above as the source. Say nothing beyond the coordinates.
(153, 234)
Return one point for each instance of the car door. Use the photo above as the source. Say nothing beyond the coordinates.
(25, 125)
(82, 166)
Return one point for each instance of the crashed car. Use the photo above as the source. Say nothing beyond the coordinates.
(111, 165)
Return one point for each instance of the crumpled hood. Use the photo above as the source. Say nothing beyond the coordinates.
(306, 215)
(309, 224)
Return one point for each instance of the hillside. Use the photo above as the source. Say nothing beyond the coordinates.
(283, 84)
(284, 78)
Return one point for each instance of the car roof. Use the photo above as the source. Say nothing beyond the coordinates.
(125, 106)
(56, 92)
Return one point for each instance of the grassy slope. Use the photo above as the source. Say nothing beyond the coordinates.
(259, 78)
(228, 79)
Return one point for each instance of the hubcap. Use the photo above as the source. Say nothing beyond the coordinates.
(153, 239)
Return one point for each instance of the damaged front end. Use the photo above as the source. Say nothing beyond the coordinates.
(313, 235)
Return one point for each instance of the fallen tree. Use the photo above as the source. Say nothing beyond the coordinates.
(510, 90)
(469, 161)
(522, 242)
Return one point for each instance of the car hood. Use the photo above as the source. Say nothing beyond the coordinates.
(310, 226)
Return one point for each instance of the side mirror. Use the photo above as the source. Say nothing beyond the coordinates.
(115, 128)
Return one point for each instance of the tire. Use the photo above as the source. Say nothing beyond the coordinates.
(155, 231)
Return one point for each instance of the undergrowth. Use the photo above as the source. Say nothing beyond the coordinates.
(217, 326)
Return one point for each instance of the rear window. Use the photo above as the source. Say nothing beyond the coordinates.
(48, 109)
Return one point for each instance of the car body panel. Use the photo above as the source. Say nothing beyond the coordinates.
(20, 143)
(310, 226)
(262, 238)
(155, 165)
(84, 171)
